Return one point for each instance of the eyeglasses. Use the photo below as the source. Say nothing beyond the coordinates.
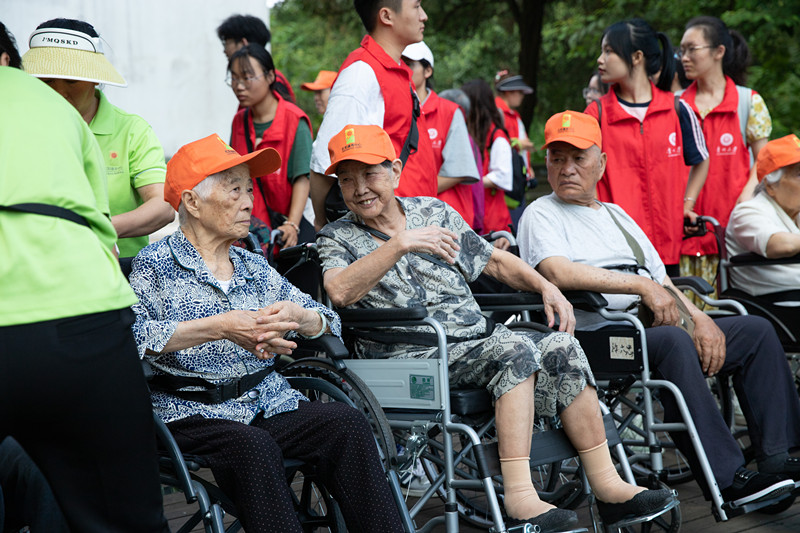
(691, 50)
(233, 81)
(588, 91)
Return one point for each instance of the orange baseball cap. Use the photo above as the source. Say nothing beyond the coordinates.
(324, 80)
(778, 154)
(195, 161)
(368, 144)
(578, 129)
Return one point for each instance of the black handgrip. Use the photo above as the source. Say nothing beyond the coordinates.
(330, 344)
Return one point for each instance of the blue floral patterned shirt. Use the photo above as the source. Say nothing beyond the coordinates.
(174, 285)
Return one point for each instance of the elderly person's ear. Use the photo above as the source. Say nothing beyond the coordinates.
(191, 202)
(397, 169)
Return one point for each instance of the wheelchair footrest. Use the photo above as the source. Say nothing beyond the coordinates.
(732, 511)
(528, 528)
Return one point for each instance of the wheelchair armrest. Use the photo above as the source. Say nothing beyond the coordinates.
(754, 259)
(589, 299)
(508, 298)
(695, 283)
(330, 344)
(352, 317)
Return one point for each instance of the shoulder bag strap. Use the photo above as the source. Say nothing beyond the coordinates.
(382, 236)
(47, 210)
(412, 139)
(638, 253)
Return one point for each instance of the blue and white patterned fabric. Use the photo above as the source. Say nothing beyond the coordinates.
(174, 285)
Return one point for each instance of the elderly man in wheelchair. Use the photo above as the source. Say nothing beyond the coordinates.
(210, 319)
(767, 225)
(578, 242)
(391, 252)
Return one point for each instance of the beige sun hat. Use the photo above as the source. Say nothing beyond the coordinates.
(69, 55)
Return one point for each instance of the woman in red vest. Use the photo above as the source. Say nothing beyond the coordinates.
(485, 124)
(650, 137)
(734, 119)
(267, 120)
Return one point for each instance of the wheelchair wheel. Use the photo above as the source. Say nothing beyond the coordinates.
(316, 508)
(357, 392)
(628, 413)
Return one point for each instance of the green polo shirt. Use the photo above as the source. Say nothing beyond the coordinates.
(50, 267)
(134, 158)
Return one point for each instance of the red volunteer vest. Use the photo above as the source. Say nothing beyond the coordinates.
(280, 136)
(645, 174)
(438, 116)
(495, 212)
(419, 173)
(728, 165)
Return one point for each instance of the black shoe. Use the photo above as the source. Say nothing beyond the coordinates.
(749, 486)
(790, 469)
(552, 521)
(643, 504)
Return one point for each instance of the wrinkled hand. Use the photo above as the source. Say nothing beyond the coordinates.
(433, 240)
(663, 306)
(264, 340)
(556, 304)
(709, 342)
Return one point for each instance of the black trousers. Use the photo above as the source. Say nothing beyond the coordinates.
(762, 381)
(72, 393)
(247, 463)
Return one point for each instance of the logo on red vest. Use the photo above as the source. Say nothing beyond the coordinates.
(433, 133)
(726, 145)
(673, 150)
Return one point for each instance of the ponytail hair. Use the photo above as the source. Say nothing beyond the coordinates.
(737, 56)
(628, 36)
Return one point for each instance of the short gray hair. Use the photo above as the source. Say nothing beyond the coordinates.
(204, 188)
(772, 178)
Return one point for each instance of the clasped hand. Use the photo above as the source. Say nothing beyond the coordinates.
(262, 331)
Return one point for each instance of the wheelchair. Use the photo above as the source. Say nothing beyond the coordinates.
(316, 508)
(452, 431)
(620, 360)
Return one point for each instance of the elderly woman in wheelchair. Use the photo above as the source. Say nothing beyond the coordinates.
(210, 319)
(767, 225)
(391, 252)
(581, 244)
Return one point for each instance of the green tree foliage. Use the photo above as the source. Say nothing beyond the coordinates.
(476, 38)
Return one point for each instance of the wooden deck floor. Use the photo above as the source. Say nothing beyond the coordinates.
(695, 512)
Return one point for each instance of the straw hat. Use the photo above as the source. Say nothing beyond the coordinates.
(69, 55)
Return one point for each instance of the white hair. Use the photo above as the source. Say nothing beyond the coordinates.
(772, 178)
(204, 188)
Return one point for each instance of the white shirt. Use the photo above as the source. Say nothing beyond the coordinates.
(458, 160)
(500, 171)
(550, 227)
(355, 98)
(750, 226)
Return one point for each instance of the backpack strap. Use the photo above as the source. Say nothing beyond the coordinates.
(599, 112)
(745, 95)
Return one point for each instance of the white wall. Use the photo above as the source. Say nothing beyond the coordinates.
(167, 51)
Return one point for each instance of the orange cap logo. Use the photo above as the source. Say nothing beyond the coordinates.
(224, 144)
(566, 120)
(796, 140)
(349, 136)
